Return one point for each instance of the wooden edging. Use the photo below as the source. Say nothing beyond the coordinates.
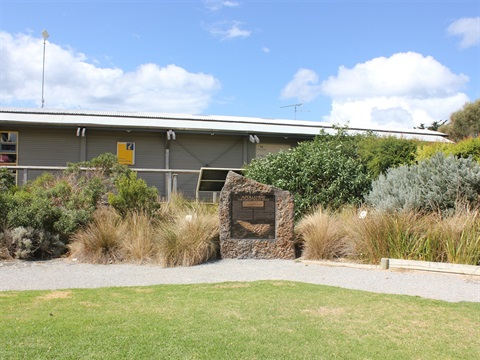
(339, 264)
(430, 266)
(386, 264)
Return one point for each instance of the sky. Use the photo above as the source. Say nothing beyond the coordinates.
(356, 63)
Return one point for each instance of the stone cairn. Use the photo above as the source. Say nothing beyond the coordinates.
(256, 220)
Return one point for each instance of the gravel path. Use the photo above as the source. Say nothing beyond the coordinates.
(64, 273)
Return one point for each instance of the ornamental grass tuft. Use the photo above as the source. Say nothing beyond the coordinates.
(322, 236)
(183, 233)
(189, 240)
(100, 241)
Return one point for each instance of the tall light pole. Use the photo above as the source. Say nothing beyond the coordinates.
(45, 36)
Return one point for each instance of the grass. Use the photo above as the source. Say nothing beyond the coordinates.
(183, 233)
(323, 236)
(402, 235)
(259, 320)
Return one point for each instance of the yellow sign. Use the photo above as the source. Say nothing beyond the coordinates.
(126, 153)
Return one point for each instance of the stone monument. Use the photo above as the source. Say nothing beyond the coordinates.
(256, 220)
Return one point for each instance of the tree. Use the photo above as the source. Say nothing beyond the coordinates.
(434, 126)
(464, 123)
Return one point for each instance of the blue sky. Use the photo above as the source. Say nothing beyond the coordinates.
(361, 63)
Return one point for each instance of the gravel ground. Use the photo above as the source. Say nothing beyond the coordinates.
(65, 273)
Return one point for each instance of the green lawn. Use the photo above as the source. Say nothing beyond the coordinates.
(259, 320)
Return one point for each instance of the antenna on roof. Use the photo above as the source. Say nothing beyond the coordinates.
(295, 106)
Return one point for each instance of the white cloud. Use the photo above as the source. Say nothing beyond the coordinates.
(266, 50)
(215, 5)
(393, 112)
(404, 90)
(72, 82)
(228, 30)
(403, 74)
(468, 29)
(304, 86)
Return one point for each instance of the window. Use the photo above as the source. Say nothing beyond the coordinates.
(8, 148)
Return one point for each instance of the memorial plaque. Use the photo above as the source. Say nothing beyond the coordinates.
(253, 216)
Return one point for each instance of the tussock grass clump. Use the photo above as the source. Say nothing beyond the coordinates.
(457, 237)
(182, 233)
(415, 236)
(189, 240)
(188, 233)
(322, 236)
(401, 235)
(394, 235)
(139, 242)
(101, 240)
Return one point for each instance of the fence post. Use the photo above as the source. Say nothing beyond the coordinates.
(25, 176)
(169, 186)
(174, 183)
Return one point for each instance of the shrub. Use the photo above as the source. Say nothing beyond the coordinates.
(436, 184)
(104, 166)
(7, 179)
(383, 153)
(52, 204)
(324, 172)
(60, 205)
(30, 243)
(5, 205)
(133, 194)
(466, 148)
(322, 236)
(469, 147)
(426, 151)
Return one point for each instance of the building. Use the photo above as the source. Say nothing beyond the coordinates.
(161, 147)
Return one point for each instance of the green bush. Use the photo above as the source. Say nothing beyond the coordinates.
(104, 166)
(437, 184)
(7, 179)
(51, 204)
(133, 194)
(466, 148)
(7, 188)
(57, 206)
(427, 150)
(326, 171)
(383, 153)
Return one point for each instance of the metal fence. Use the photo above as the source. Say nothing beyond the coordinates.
(171, 174)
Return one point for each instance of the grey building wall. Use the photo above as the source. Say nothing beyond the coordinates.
(42, 146)
(193, 151)
(56, 146)
(47, 146)
(149, 150)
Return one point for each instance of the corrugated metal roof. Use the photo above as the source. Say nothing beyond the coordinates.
(188, 122)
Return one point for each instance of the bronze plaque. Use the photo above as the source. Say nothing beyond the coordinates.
(253, 216)
(253, 204)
